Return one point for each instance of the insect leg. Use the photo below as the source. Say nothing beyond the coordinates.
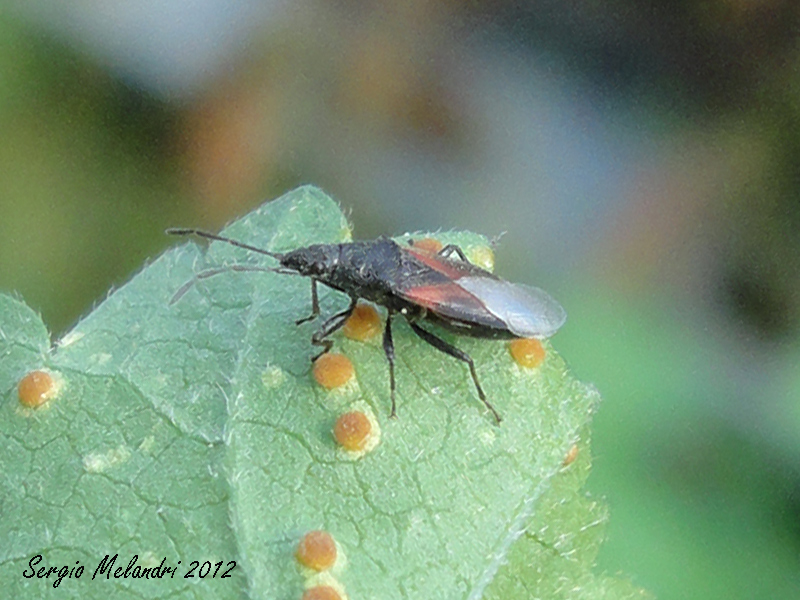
(449, 249)
(330, 326)
(388, 349)
(314, 304)
(443, 346)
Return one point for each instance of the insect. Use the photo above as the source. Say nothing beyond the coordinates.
(419, 284)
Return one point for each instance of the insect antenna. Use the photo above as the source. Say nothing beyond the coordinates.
(219, 270)
(224, 269)
(219, 238)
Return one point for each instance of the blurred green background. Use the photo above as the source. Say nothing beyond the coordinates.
(641, 158)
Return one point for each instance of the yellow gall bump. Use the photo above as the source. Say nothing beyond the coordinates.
(482, 256)
(333, 370)
(317, 550)
(528, 353)
(428, 245)
(273, 377)
(36, 388)
(571, 456)
(352, 431)
(321, 592)
(363, 324)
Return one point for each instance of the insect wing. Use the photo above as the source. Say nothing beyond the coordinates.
(447, 267)
(462, 292)
(434, 283)
(451, 301)
(527, 311)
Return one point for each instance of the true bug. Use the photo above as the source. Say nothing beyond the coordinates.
(416, 283)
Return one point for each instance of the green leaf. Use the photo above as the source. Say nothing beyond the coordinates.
(555, 556)
(193, 431)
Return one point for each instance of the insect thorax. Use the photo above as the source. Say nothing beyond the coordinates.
(366, 270)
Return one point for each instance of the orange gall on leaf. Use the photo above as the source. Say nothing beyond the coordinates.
(317, 550)
(333, 370)
(528, 353)
(572, 454)
(36, 388)
(352, 431)
(363, 324)
(321, 592)
(428, 245)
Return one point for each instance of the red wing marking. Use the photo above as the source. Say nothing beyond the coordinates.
(435, 286)
(439, 298)
(450, 269)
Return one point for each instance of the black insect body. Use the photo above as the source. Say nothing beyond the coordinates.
(420, 285)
